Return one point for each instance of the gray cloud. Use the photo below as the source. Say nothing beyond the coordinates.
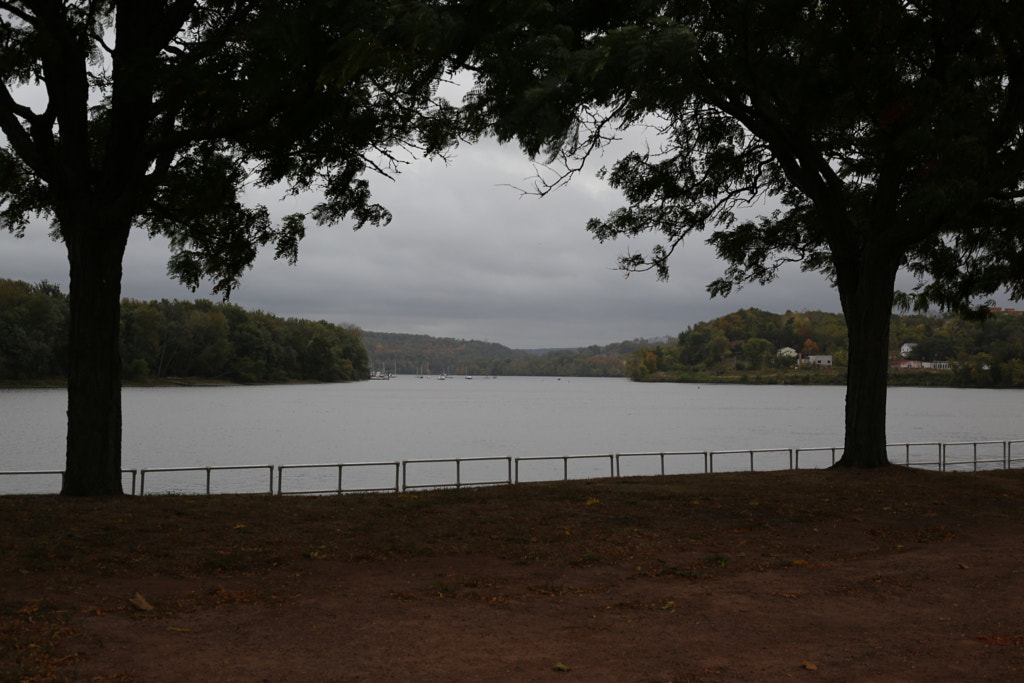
(467, 257)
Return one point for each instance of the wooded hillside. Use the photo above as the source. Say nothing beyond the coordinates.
(166, 339)
(745, 346)
(200, 339)
(421, 354)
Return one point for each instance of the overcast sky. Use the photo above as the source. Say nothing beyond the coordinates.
(466, 256)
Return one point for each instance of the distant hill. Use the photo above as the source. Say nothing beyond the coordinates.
(200, 339)
(422, 354)
(744, 346)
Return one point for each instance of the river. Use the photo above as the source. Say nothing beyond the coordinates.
(408, 418)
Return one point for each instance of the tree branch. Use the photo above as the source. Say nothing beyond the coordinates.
(20, 139)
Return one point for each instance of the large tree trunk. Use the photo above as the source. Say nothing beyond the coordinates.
(866, 285)
(95, 254)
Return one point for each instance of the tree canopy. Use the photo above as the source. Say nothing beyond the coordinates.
(885, 132)
(158, 115)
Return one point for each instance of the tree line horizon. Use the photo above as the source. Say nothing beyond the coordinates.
(200, 339)
(204, 340)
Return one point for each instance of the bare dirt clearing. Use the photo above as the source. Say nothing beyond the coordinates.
(889, 575)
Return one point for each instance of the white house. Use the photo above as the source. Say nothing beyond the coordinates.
(824, 361)
(786, 352)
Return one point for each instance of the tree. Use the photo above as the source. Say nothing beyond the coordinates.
(887, 133)
(33, 325)
(121, 114)
(717, 346)
(756, 351)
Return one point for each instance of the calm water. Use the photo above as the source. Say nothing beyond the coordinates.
(408, 418)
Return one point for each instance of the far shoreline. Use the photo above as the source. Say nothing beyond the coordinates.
(902, 378)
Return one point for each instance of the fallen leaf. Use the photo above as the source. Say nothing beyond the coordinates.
(964, 566)
(560, 667)
(140, 602)
(810, 666)
(179, 630)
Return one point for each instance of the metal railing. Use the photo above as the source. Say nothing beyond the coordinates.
(974, 461)
(12, 473)
(913, 460)
(661, 455)
(208, 469)
(19, 473)
(1009, 454)
(751, 452)
(407, 475)
(565, 462)
(798, 451)
(459, 483)
(342, 466)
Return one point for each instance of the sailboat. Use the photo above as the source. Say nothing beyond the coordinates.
(382, 373)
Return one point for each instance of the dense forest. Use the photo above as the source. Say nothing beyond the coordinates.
(199, 339)
(745, 347)
(421, 354)
(178, 339)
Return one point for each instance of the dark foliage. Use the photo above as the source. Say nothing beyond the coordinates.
(179, 339)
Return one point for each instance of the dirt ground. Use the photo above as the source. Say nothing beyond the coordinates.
(888, 575)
